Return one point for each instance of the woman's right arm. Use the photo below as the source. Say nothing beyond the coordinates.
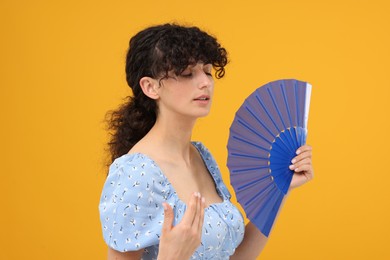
(176, 242)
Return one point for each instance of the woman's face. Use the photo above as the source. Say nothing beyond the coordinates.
(189, 94)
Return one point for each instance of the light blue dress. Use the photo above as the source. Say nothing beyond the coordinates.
(132, 215)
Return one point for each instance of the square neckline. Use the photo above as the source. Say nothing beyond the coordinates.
(198, 146)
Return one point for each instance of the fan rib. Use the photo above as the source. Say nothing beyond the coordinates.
(285, 141)
(272, 215)
(282, 163)
(280, 158)
(294, 140)
(285, 138)
(307, 104)
(261, 210)
(267, 112)
(247, 142)
(254, 116)
(243, 123)
(279, 171)
(286, 103)
(250, 169)
(265, 189)
(297, 102)
(287, 181)
(243, 173)
(276, 106)
(250, 184)
(250, 156)
(287, 149)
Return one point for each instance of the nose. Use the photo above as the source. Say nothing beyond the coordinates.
(205, 81)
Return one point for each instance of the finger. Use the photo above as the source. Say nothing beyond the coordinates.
(202, 215)
(197, 213)
(168, 217)
(189, 215)
(303, 148)
(301, 156)
(197, 218)
(306, 169)
(299, 164)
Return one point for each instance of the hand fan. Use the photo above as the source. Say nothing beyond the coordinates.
(267, 129)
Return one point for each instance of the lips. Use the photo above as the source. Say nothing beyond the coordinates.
(203, 98)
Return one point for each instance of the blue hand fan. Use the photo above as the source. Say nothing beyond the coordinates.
(267, 129)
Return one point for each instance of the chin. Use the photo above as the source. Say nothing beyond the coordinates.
(199, 113)
(206, 113)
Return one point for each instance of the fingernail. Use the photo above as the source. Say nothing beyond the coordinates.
(165, 206)
(293, 160)
(203, 200)
(291, 167)
(296, 169)
(298, 151)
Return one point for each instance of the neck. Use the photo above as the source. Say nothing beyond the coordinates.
(173, 136)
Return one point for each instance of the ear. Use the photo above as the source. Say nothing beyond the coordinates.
(150, 87)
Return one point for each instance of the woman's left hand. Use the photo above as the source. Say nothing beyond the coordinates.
(302, 166)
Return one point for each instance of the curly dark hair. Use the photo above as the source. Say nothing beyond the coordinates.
(154, 52)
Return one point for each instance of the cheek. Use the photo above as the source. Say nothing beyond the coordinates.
(212, 89)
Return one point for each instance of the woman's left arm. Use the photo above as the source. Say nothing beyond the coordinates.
(254, 241)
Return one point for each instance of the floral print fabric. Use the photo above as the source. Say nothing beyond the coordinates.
(132, 215)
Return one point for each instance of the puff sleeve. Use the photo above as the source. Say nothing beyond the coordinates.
(131, 211)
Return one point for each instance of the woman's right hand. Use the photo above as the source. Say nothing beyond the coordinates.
(181, 241)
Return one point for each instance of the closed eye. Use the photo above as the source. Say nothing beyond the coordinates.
(188, 75)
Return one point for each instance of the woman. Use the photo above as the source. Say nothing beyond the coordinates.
(164, 197)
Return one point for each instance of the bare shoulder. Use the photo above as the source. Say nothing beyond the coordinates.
(150, 150)
(144, 147)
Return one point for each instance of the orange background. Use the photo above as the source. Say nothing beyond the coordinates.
(62, 68)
